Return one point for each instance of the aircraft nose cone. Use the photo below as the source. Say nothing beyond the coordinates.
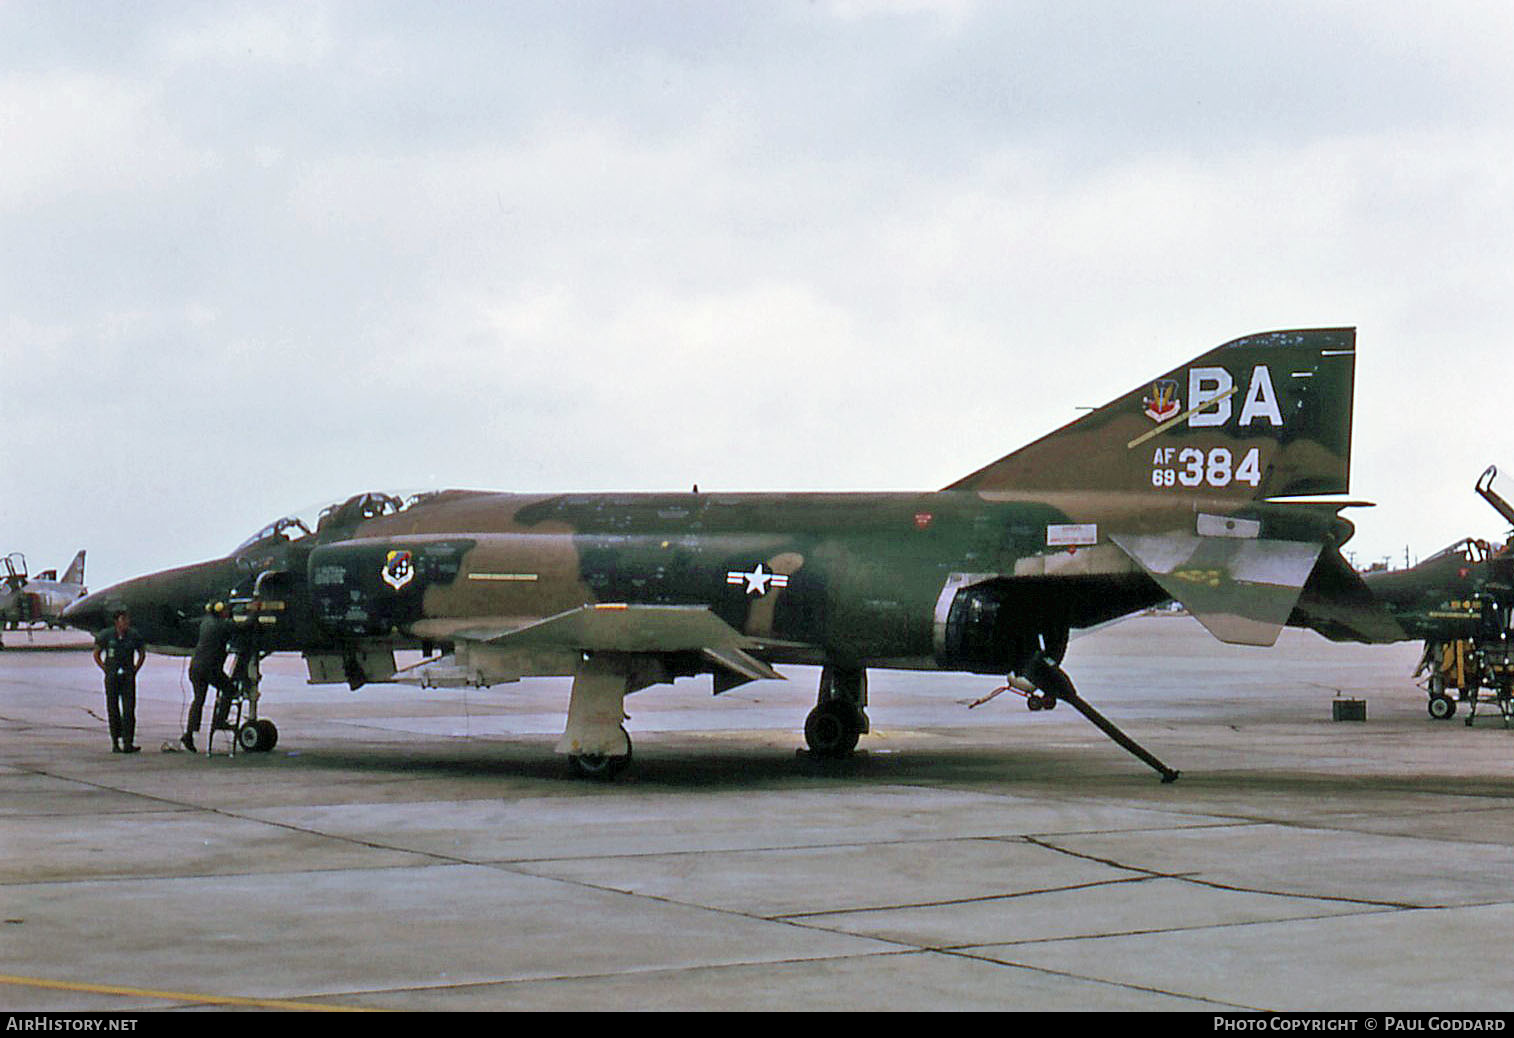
(87, 614)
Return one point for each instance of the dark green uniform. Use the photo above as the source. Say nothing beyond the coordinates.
(206, 669)
(118, 655)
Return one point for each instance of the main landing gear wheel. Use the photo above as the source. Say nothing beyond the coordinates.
(600, 766)
(258, 736)
(832, 729)
(1442, 707)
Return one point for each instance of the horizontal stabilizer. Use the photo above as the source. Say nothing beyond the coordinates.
(1241, 589)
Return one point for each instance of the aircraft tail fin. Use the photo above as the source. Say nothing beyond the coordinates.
(75, 572)
(1266, 415)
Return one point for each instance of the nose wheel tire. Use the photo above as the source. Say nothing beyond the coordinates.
(1442, 707)
(258, 736)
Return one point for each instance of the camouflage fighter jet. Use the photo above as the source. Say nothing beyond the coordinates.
(1167, 492)
(1460, 601)
(27, 600)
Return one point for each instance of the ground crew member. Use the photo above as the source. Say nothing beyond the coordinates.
(206, 668)
(120, 652)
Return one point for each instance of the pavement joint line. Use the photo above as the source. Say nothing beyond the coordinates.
(1194, 878)
(179, 996)
(1399, 906)
(1143, 988)
(907, 950)
(1162, 930)
(737, 913)
(907, 906)
(646, 971)
(776, 848)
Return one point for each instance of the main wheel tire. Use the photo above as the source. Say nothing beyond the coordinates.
(600, 766)
(831, 730)
(1442, 707)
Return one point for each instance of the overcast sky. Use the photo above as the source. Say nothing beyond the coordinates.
(259, 257)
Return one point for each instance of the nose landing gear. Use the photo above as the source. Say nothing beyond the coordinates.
(250, 732)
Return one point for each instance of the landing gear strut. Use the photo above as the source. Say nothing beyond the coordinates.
(840, 714)
(1053, 681)
(595, 741)
(249, 732)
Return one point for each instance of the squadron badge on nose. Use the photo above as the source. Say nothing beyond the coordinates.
(398, 569)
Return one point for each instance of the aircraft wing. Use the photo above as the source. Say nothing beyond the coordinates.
(488, 652)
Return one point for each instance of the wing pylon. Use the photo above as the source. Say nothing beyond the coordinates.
(490, 653)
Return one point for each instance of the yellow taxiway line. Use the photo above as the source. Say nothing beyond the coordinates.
(179, 996)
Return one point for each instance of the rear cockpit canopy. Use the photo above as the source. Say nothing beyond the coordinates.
(359, 507)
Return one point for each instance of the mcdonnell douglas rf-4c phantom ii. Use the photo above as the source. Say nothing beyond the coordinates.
(1168, 492)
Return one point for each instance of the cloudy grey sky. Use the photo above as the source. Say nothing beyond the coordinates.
(255, 257)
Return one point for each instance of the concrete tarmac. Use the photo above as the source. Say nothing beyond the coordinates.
(424, 850)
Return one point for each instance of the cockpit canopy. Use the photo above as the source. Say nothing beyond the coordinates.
(356, 509)
(289, 528)
(1469, 550)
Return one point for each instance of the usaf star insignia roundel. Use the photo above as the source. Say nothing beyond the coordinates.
(758, 581)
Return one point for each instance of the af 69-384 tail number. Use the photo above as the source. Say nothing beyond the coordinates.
(1216, 467)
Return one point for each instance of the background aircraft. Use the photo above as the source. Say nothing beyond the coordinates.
(1461, 602)
(26, 600)
(1169, 491)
